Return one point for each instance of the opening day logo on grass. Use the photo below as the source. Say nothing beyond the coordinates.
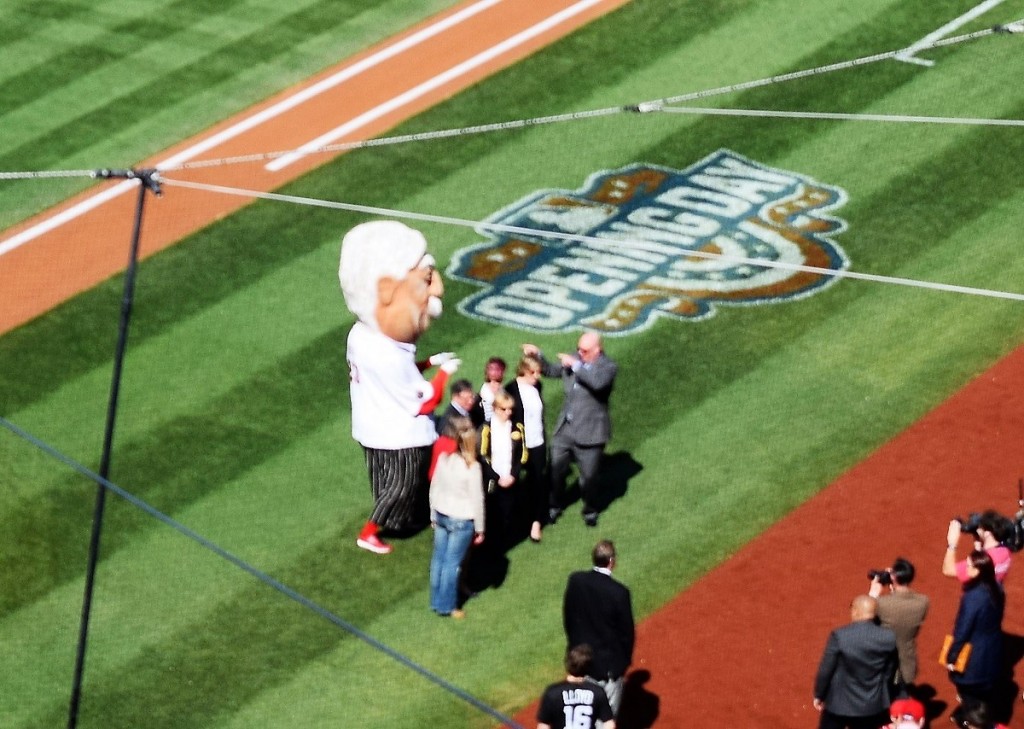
(646, 241)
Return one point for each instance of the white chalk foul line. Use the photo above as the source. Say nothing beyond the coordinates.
(247, 124)
(427, 86)
(66, 216)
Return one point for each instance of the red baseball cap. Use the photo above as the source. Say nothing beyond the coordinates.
(907, 709)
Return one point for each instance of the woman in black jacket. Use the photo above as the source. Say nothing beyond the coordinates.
(979, 623)
(528, 393)
(502, 455)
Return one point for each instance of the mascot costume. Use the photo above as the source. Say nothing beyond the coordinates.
(391, 285)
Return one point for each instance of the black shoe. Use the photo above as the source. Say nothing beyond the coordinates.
(590, 518)
(553, 513)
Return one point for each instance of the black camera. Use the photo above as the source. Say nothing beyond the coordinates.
(970, 524)
(884, 578)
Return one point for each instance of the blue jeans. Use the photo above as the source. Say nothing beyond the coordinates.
(452, 538)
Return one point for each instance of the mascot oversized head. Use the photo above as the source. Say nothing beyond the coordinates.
(389, 280)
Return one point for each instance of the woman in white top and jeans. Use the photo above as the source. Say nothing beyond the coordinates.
(456, 514)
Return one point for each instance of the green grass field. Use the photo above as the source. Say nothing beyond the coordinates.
(234, 410)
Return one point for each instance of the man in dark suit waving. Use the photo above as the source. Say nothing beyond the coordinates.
(584, 425)
(598, 610)
(856, 671)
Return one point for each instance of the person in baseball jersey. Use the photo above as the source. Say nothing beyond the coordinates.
(390, 283)
(577, 702)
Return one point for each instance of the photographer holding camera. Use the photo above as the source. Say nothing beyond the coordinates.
(903, 610)
(988, 529)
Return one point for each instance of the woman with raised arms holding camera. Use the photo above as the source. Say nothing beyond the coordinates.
(979, 625)
(988, 530)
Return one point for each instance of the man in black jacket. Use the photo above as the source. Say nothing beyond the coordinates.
(852, 688)
(598, 610)
(464, 402)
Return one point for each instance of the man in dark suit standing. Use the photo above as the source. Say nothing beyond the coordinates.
(598, 610)
(464, 402)
(856, 671)
(584, 425)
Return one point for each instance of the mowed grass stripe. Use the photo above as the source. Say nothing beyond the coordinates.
(201, 64)
(243, 646)
(75, 340)
(210, 69)
(660, 59)
(227, 343)
(165, 586)
(166, 382)
(176, 463)
(36, 30)
(114, 56)
(103, 52)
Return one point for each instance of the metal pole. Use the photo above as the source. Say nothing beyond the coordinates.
(147, 182)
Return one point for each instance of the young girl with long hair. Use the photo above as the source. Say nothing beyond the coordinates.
(456, 514)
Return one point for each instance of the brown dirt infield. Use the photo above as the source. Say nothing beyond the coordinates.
(739, 647)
